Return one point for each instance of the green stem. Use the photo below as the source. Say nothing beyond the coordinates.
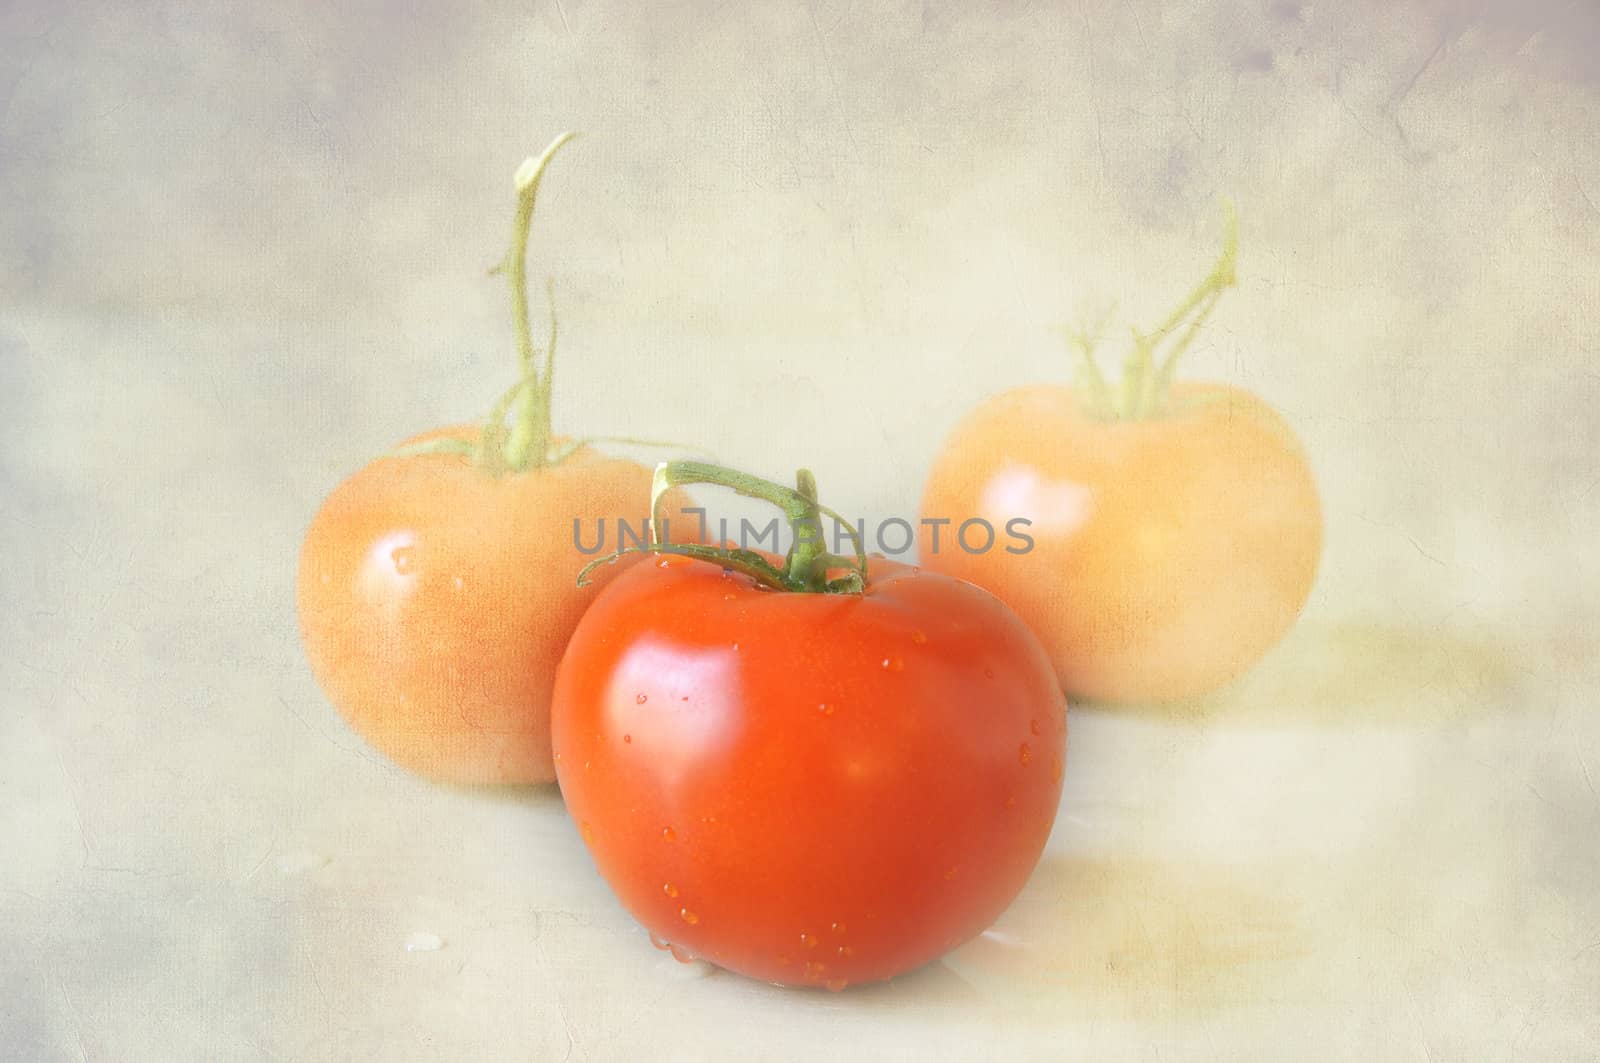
(1195, 309)
(1145, 379)
(805, 568)
(1087, 341)
(529, 440)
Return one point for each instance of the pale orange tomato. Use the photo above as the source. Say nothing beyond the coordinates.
(438, 586)
(1169, 552)
(1172, 529)
(436, 599)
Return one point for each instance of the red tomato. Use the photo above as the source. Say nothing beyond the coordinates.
(811, 789)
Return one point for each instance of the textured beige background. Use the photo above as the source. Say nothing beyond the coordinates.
(241, 251)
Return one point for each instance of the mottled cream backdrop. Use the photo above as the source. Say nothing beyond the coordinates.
(242, 249)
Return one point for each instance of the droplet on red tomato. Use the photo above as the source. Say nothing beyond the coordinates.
(627, 739)
(919, 637)
(668, 834)
(669, 889)
(687, 916)
(835, 985)
(1033, 725)
(825, 709)
(808, 940)
(659, 943)
(640, 699)
(681, 954)
(893, 664)
(1025, 754)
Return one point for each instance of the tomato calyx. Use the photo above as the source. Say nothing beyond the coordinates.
(1146, 380)
(805, 567)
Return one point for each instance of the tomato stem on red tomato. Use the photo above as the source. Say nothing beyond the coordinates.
(806, 566)
(1146, 379)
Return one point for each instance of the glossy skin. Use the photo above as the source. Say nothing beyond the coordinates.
(1170, 554)
(809, 789)
(435, 602)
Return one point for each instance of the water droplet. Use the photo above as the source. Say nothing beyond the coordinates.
(558, 758)
(919, 637)
(837, 928)
(586, 765)
(422, 941)
(687, 916)
(950, 873)
(456, 583)
(1011, 801)
(835, 985)
(401, 557)
(845, 951)
(669, 889)
(640, 699)
(681, 954)
(627, 739)
(1025, 754)
(687, 969)
(586, 830)
(814, 971)
(988, 673)
(825, 709)
(893, 664)
(735, 647)
(808, 940)
(660, 943)
(1033, 725)
(668, 834)
(663, 562)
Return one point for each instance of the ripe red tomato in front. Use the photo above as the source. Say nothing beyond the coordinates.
(810, 789)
